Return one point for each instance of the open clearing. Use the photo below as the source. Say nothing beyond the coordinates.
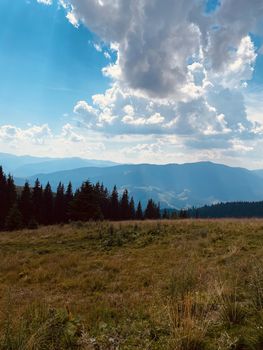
(183, 284)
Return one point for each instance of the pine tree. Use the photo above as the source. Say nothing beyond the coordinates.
(85, 205)
(47, 205)
(139, 212)
(60, 205)
(165, 214)
(124, 206)
(132, 209)
(68, 201)
(152, 210)
(25, 204)
(10, 192)
(37, 197)
(114, 204)
(3, 198)
(183, 214)
(105, 203)
(174, 215)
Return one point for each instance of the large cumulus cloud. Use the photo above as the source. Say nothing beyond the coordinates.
(179, 71)
(156, 39)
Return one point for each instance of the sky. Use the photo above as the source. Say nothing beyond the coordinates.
(133, 81)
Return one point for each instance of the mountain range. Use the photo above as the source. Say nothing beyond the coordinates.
(173, 185)
(26, 166)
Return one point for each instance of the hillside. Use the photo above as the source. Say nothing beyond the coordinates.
(173, 185)
(171, 285)
(26, 166)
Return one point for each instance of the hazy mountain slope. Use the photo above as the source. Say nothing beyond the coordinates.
(258, 172)
(25, 166)
(10, 162)
(173, 185)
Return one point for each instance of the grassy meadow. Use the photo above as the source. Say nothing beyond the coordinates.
(183, 284)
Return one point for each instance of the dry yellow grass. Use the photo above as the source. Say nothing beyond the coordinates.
(127, 280)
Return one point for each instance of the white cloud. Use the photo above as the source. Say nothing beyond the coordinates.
(72, 19)
(35, 134)
(155, 57)
(180, 74)
(45, 2)
(69, 134)
(176, 71)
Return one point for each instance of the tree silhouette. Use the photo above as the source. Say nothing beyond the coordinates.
(47, 205)
(132, 209)
(152, 210)
(85, 205)
(60, 205)
(25, 204)
(124, 206)
(114, 204)
(37, 197)
(139, 212)
(14, 220)
(3, 198)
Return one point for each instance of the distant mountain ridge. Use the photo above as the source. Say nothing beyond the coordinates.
(173, 185)
(26, 166)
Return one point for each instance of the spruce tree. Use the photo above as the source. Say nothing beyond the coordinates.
(47, 205)
(152, 210)
(124, 206)
(132, 209)
(14, 220)
(25, 204)
(85, 205)
(114, 204)
(10, 192)
(68, 201)
(3, 198)
(165, 214)
(139, 212)
(104, 200)
(60, 205)
(37, 197)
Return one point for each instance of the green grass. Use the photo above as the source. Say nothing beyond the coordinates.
(190, 284)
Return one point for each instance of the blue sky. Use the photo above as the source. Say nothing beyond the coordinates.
(133, 81)
(46, 64)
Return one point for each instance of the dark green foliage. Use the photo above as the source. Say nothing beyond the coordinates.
(183, 214)
(85, 205)
(60, 205)
(165, 214)
(11, 192)
(14, 220)
(25, 204)
(114, 204)
(229, 210)
(124, 206)
(152, 210)
(3, 198)
(132, 209)
(68, 199)
(47, 205)
(37, 198)
(139, 212)
(36, 206)
(32, 225)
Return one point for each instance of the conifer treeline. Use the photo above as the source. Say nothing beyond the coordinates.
(29, 207)
(228, 210)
